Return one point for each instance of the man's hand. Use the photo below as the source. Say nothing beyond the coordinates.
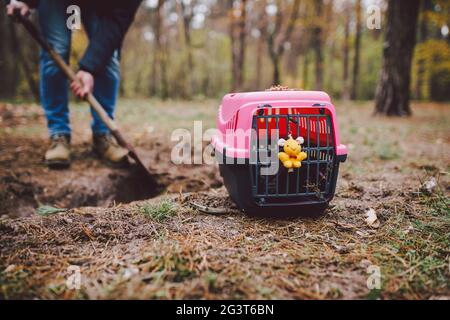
(18, 6)
(83, 84)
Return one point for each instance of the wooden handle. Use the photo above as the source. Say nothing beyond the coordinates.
(110, 123)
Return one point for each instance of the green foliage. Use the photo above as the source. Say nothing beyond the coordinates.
(210, 74)
(48, 210)
(159, 212)
(374, 294)
(12, 283)
(388, 152)
(435, 55)
(370, 67)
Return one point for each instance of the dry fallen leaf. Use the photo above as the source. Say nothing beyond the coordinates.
(429, 186)
(128, 273)
(408, 230)
(344, 248)
(372, 219)
(11, 268)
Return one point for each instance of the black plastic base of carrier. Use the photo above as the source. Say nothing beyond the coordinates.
(237, 180)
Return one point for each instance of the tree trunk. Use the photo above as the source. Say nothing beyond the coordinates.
(355, 80)
(330, 79)
(276, 69)
(185, 11)
(306, 71)
(346, 49)
(238, 36)
(9, 70)
(259, 59)
(156, 26)
(242, 38)
(164, 78)
(393, 92)
(279, 36)
(160, 59)
(317, 45)
(153, 76)
(292, 59)
(423, 35)
(262, 28)
(22, 60)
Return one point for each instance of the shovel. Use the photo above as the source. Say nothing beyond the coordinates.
(110, 123)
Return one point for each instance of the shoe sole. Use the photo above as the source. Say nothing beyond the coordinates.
(58, 164)
(124, 163)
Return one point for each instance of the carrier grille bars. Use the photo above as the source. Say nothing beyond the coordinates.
(315, 181)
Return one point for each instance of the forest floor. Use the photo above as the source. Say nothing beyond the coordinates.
(130, 240)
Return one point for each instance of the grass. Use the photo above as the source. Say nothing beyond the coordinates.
(159, 212)
(48, 210)
(388, 152)
(419, 244)
(13, 283)
(172, 264)
(162, 116)
(184, 254)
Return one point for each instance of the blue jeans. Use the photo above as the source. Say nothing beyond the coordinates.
(54, 84)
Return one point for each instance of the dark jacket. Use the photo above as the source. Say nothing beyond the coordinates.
(115, 19)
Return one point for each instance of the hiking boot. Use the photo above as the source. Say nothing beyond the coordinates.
(107, 148)
(58, 154)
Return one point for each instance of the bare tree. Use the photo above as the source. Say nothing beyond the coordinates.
(298, 45)
(280, 35)
(393, 91)
(261, 25)
(160, 55)
(356, 60)
(331, 43)
(238, 34)
(317, 39)
(346, 52)
(8, 68)
(186, 14)
(305, 75)
(346, 49)
(23, 62)
(423, 35)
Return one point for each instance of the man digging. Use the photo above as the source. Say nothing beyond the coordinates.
(106, 24)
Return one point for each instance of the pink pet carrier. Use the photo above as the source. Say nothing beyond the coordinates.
(252, 129)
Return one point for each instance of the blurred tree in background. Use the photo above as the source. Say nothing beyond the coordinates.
(392, 97)
(432, 57)
(18, 62)
(186, 49)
